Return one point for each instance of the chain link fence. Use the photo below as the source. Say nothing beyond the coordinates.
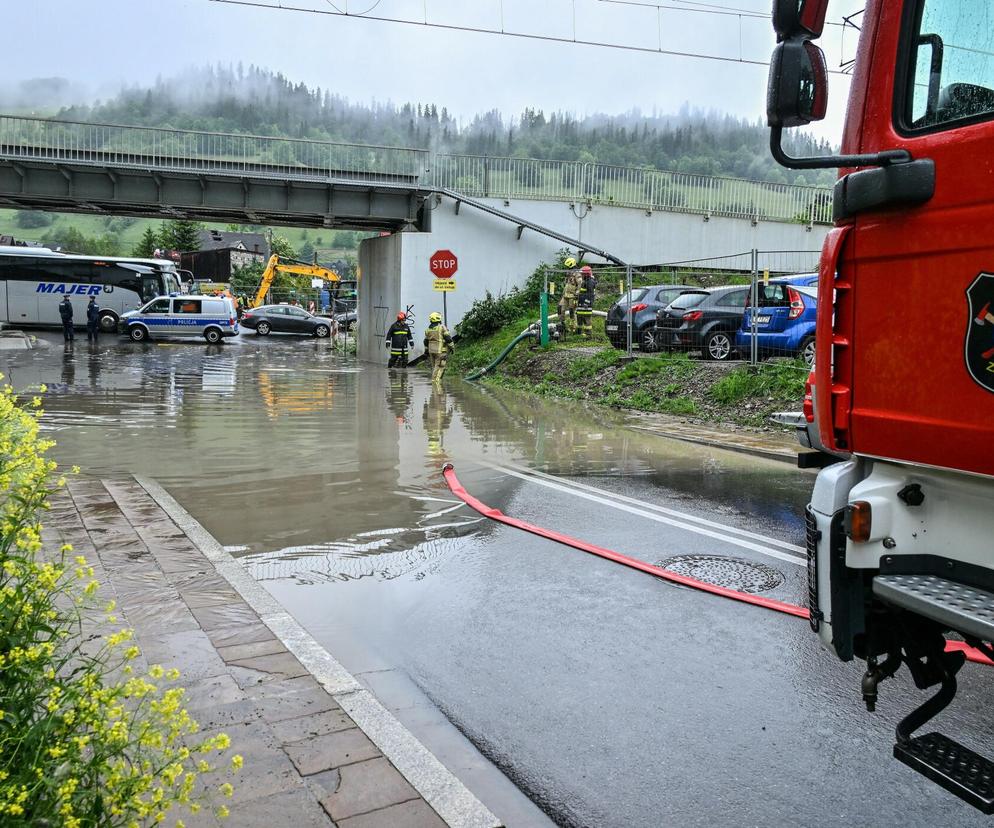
(750, 306)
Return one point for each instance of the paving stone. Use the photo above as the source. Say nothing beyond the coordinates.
(266, 770)
(331, 750)
(158, 610)
(295, 808)
(260, 669)
(367, 786)
(258, 648)
(414, 814)
(305, 727)
(234, 634)
(237, 612)
(190, 651)
(323, 784)
(210, 692)
(293, 705)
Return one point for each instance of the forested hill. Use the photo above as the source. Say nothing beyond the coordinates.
(228, 99)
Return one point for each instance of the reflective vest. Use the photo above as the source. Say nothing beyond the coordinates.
(570, 290)
(436, 337)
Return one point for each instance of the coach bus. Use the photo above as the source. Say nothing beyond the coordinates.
(34, 280)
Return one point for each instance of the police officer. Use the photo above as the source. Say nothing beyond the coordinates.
(438, 344)
(92, 320)
(65, 313)
(585, 300)
(399, 339)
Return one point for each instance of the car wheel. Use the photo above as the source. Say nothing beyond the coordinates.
(213, 335)
(137, 333)
(647, 340)
(322, 331)
(108, 322)
(807, 350)
(718, 346)
(263, 329)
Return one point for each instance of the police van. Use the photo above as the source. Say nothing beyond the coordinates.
(212, 317)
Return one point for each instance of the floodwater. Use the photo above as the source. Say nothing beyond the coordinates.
(606, 696)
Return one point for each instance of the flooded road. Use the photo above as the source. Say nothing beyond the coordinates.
(610, 698)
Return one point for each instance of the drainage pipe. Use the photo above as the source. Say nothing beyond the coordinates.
(449, 472)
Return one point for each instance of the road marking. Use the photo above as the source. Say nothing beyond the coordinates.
(721, 527)
(725, 536)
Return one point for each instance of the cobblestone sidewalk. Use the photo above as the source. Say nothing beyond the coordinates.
(307, 763)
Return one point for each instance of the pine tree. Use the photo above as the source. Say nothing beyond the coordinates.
(147, 244)
(181, 235)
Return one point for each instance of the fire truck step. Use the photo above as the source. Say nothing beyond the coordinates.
(966, 609)
(956, 768)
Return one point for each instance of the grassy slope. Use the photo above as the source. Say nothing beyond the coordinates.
(96, 226)
(664, 383)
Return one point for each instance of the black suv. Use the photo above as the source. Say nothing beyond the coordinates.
(703, 320)
(644, 304)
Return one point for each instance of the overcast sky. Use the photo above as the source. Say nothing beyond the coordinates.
(102, 44)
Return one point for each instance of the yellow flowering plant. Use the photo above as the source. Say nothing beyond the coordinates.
(84, 740)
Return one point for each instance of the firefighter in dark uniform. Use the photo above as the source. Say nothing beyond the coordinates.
(585, 301)
(399, 339)
(65, 314)
(92, 320)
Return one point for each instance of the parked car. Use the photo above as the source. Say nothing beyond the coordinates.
(212, 317)
(347, 320)
(703, 320)
(642, 305)
(785, 321)
(802, 279)
(285, 319)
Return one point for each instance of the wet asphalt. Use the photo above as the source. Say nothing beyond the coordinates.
(608, 697)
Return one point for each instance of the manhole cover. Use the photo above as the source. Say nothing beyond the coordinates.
(733, 573)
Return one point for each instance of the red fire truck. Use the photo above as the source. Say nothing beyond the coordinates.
(900, 531)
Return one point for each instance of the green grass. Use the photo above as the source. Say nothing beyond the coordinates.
(777, 380)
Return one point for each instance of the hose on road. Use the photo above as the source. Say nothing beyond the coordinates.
(449, 472)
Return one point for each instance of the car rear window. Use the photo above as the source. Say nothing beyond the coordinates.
(689, 300)
(637, 294)
(667, 296)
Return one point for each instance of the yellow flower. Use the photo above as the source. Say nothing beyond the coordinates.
(172, 674)
(222, 812)
(156, 671)
(222, 741)
(236, 762)
(226, 789)
(132, 652)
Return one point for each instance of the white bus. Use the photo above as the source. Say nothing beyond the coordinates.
(33, 280)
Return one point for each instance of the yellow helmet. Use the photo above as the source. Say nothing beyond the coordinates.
(435, 317)
(569, 262)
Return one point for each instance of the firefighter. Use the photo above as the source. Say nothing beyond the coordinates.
(585, 301)
(65, 314)
(567, 305)
(438, 344)
(92, 320)
(399, 339)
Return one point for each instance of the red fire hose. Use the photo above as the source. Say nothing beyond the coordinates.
(449, 472)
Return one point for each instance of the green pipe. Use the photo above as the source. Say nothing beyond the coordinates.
(529, 334)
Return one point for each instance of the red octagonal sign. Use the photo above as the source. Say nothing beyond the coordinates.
(443, 264)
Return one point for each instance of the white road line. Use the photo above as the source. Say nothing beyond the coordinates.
(721, 527)
(680, 524)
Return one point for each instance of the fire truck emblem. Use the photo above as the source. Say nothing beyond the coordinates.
(980, 330)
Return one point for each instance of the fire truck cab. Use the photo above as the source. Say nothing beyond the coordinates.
(900, 533)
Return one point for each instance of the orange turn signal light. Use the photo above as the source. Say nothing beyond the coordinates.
(857, 521)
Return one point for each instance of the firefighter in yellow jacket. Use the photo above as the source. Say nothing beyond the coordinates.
(438, 345)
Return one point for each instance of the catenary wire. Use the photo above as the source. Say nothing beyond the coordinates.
(279, 6)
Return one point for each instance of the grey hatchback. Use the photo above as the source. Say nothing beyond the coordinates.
(285, 319)
(642, 307)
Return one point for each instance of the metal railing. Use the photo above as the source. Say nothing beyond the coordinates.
(639, 187)
(205, 152)
(156, 148)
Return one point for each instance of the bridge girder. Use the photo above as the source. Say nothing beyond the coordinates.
(328, 203)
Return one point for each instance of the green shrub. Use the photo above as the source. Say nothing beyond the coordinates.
(84, 739)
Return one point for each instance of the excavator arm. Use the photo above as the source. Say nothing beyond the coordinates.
(275, 265)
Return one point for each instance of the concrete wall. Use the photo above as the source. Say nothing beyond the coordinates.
(492, 258)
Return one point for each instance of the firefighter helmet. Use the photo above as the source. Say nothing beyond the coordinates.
(586, 270)
(435, 317)
(401, 316)
(569, 262)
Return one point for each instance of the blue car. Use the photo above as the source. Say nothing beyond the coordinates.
(785, 321)
(802, 279)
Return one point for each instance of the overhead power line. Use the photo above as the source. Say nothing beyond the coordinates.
(426, 24)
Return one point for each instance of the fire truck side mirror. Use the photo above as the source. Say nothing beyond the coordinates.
(797, 92)
(796, 18)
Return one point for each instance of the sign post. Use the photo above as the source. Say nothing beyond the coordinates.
(443, 265)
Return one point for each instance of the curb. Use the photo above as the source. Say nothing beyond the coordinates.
(767, 454)
(438, 786)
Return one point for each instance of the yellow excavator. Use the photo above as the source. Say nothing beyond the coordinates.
(277, 265)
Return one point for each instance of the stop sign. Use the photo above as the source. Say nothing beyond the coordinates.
(443, 264)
